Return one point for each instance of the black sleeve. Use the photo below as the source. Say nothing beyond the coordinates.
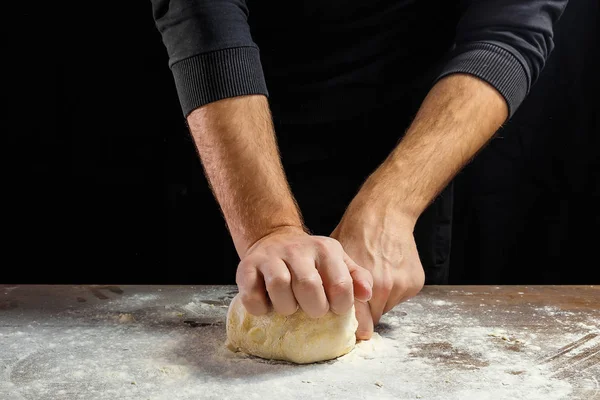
(506, 43)
(211, 52)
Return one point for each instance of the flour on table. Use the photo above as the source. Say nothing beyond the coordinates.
(419, 351)
(441, 303)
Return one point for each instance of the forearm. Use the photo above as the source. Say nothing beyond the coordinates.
(237, 146)
(458, 117)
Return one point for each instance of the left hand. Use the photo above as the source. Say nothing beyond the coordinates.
(383, 243)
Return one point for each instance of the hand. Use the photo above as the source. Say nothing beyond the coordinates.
(383, 243)
(289, 268)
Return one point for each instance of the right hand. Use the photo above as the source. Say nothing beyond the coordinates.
(290, 269)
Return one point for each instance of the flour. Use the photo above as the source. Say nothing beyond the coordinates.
(368, 349)
(142, 298)
(426, 348)
(554, 311)
(591, 328)
(441, 303)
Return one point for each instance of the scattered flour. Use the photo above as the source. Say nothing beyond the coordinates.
(420, 351)
(441, 303)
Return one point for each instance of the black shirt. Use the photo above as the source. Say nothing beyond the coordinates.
(321, 60)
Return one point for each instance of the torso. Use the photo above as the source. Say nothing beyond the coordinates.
(325, 57)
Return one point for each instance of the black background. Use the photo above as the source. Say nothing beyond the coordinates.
(102, 182)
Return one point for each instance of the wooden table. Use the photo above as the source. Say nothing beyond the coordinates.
(166, 342)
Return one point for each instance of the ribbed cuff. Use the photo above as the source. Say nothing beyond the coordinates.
(213, 76)
(496, 66)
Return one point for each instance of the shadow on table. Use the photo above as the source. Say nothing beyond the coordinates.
(208, 354)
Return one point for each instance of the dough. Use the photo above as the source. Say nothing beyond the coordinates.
(296, 338)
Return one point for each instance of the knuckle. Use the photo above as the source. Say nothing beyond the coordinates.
(251, 301)
(278, 281)
(379, 283)
(321, 245)
(340, 288)
(292, 249)
(388, 288)
(415, 289)
(331, 243)
(412, 283)
(250, 262)
(309, 281)
(244, 265)
(241, 276)
(239, 280)
(386, 283)
(402, 282)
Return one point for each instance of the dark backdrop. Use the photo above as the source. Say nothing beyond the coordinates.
(102, 182)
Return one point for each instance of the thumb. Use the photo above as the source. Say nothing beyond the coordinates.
(362, 280)
(365, 321)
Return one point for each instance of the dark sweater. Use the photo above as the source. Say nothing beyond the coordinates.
(321, 60)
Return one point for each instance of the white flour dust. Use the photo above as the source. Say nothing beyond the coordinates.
(140, 350)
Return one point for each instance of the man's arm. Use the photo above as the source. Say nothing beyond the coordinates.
(458, 117)
(219, 80)
(221, 87)
(501, 47)
(237, 147)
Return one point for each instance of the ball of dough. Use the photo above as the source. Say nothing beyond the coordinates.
(296, 338)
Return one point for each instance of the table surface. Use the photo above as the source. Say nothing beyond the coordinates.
(167, 342)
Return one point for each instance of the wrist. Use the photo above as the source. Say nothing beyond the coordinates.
(371, 208)
(385, 193)
(245, 240)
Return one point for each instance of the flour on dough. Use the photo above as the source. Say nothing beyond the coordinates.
(296, 338)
